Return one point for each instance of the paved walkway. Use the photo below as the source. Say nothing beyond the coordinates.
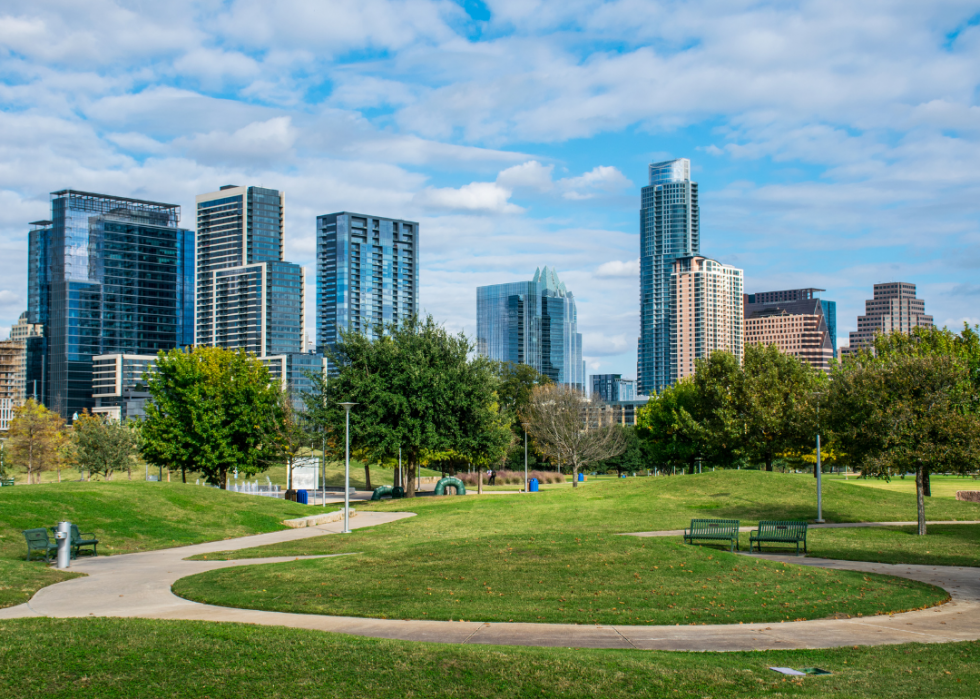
(138, 585)
(826, 525)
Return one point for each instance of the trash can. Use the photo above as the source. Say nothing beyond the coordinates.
(533, 485)
(622, 475)
(581, 477)
(303, 497)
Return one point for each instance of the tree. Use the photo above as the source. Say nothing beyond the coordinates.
(773, 400)
(288, 437)
(631, 458)
(514, 389)
(36, 439)
(716, 421)
(567, 426)
(212, 411)
(902, 413)
(103, 446)
(416, 390)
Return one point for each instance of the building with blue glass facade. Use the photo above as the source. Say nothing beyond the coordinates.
(533, 323)
(367, 274)
(248, 297)
(106, 274)
(669, 229)
(613, 387)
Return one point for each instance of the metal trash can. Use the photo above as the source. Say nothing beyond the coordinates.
(533, 485)
(303, 497)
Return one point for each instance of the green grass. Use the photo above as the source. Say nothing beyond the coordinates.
(945, 545)
(126, 517)
(941, 486)
(554, 557)
(117, 658)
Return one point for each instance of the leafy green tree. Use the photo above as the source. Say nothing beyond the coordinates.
(103, 446)
(213, 411)
(415, 389)
(514, 389)
(666, 430)
(906, 413)
(632, 457)
(717, 421)
(36, 440)
(774, 399)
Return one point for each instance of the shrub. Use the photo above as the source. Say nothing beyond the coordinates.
(512, 477)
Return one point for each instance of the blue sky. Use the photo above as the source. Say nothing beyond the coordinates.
(836, 144)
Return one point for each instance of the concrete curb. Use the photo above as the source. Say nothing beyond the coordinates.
(316, 520)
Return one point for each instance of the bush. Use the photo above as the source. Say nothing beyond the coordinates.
(513, 477)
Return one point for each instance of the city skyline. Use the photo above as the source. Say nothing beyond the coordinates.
(454, 123)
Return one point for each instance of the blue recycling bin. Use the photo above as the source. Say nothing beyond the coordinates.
(622, 475)
(581, 477)
(303, 497)
(534, 485)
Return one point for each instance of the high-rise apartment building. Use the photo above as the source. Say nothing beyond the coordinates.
(11, 382)
(706, 303)
(30, 336)
(797, 321)
(533, 323)
(248, 297)
(894, 308)
(105, 274)
(669, 229)
(367, 274)
(613, 387)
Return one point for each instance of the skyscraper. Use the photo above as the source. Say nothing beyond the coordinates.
(894, 308)
(248, 297)
(706, 304)
(367, 274)
(669, 229)
(533, 323)
(106, 274)
(613, 387)
(796, 321)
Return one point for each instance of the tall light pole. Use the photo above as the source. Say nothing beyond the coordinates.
(526, 486)
(819, 467)
(347, 407)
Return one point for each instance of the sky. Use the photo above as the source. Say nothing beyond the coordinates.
(836, 143)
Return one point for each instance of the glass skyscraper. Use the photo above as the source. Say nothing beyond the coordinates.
(533, 323)
(669, 229)
(367, 274)
(105, 274)
(248, 297)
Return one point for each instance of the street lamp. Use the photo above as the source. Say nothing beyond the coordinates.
(526, 486)
(347, 407)
(820, 519)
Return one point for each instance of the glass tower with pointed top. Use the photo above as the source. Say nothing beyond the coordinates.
(669, 229)
(533, 323)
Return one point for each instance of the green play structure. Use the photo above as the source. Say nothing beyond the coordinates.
(450, 482)
(395, 492)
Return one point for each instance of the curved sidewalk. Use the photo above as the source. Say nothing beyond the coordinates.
(138, 585)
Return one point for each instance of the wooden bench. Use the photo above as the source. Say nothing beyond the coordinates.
(37, 540)
(713, 530)
(789, 532)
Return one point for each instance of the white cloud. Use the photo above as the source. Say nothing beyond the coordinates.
(532, 175)
(261, 142)
(486, 197)
(617, 268)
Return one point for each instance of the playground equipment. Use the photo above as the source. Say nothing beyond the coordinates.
(450, 482)
(396, 492)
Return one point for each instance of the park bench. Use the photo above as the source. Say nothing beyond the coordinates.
(790, 532)
(6, 482)
(713, 530)
(78, 540)
(37, 540)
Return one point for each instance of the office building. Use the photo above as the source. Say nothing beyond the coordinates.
(119, 385)
(706, 303)
(11, 381)
(367, 275)
(293, 370)
(669, 229)
(29, 335)
(533, 323)
(797, 321)
(248, 297)
(613, 387)
(106, 274)
(894, 308)
(623, 412)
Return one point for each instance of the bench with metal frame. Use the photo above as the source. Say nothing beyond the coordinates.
(38, 540)
(6, 482)
(713, 530)
(78, 540)
(779, 532)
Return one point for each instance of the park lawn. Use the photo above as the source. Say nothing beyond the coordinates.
(941, 486)
(116, 658)
(944, 545)
(127, 516)
(556, 557)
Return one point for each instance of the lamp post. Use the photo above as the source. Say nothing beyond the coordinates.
(347, 407)
(526, 486)
(820, 519)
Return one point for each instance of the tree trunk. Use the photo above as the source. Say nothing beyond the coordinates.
(479, 482)
(222, 479)
(183, 474)
(927, 485)
(575, 474)
(410, 485)
(367, 475)
(769, 462)
(920, 484)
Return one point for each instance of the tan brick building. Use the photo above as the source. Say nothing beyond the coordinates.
(894, 308)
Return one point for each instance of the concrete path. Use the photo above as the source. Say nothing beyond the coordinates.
(826, 525)
(138, 585)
